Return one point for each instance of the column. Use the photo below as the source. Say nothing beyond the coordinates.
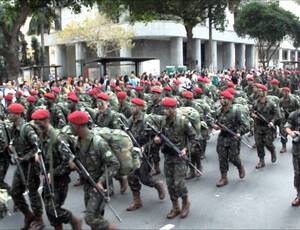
(249, 57)
(289, 55)
(197, 53)
(176, 51)
(125, 68)
(229, 57)
(240, 56)
(280, 58)
(80, 56)
(296, 58)
(60, 59)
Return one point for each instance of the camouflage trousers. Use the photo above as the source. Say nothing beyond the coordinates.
(31, 173)
(94, 214)
(4, 164)
(60, 194)
(228, 150)
(196, 153)
(155, 153)
(141, 176)
(264, 137)
(296, 164)
(175, 170)
(282, 132)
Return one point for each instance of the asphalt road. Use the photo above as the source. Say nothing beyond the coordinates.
(260, 201)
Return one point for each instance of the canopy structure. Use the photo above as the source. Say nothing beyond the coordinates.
(34, 68)
(106, 60)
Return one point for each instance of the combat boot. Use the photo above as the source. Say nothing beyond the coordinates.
(157, 169)
(112, 227)
(185, 207)
(260, 164)
(123, 185)
(242, 172)
(283, 149)
(223, 181)
(175, 211)
(37, 224)
(159, 186)
(27, 220)
(76, 223)
(296, 202)
(58, 227)
(137, 202)
(273, 156)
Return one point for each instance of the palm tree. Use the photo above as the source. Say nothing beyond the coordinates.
(41, 22)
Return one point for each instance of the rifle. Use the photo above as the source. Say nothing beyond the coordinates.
(135, 142)
(17, 161)
(262, 118)
(83, 172)
(173, 146)
(225, 128)
(44, 173)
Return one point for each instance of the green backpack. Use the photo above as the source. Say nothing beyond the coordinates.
(193, 116)
(121, 145)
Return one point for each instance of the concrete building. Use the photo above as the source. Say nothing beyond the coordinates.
(166, 41)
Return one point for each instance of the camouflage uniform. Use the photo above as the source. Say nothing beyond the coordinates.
(57, 165)
(4, 154)
(293, 122)
(57, 116)
(228, 148)
(263, 135)
(107, 119)
(24, 139)
(177, 131)
(124, 108)
(94, 153)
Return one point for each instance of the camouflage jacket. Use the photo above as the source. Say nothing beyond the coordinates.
(289, 104)
(293, 122)
(125, 109)
(269, 110)
(107, 119)
(94, 153)
(138, 129)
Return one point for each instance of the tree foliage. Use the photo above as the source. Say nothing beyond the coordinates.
(99, 32)
(268, 24)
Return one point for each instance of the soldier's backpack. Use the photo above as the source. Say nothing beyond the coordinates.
(245, 116)
(193, 116)
(121, 145)
(3, 201)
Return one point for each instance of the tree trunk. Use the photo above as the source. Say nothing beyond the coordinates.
(13, 63)
(189, 47)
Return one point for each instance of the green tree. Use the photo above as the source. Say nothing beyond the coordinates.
(268, 24)
(189, 13)
(13, 15)
(35, 45)
(23, 51)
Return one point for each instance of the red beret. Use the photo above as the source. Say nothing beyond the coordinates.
(203, 79)
(286, 89)
(122, 95)
(142, 81)
(93, 91)
(139, 88)
(121, 82)
(72, 96)
(198, 90)
(49, 96)
(15, 108)
(9, 97)
(187, 94)
(118, 88)
(169, 102)
(177, 82)
(231, 90)
(157, 83)
(226, 94)
(78, 118)
(274, 82)
(103, 96)
(128, 86)
(230, 84)
(33, 92)
(261, 86)
(138, 101)
(156, 90)
(147, 83)
(167, 88)
(19, 92)
(31, 99)
(40, 114)
(55, 89)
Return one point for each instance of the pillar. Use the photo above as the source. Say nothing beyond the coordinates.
(125, 67)
(240, 56)
(80, 56)
(60, 59)
(214, 65)
(296, 58)
(229, 56)
(197, 53)
(280, 58)
(176, 51)
(249, 56)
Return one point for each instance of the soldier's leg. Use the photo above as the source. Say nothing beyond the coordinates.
(259, 140)
(268, 140)
(4, 164)
(135, 187)
(123, 182)
(94, 211)
(156, 158)
(60, 194)
(296, 164)
(223, 155)
(283, 134)
(234, 157)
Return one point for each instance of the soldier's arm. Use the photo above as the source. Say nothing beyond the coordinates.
(32, 140)
(61, 117)
(109, 160)
(63, 167)
(190, 131)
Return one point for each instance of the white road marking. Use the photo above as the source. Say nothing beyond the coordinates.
(167, 227)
